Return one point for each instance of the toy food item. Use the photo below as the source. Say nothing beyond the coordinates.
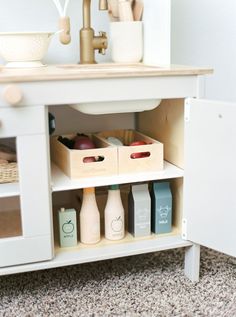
(89, 159)
(67, 142)
(134, 143)
(80, 142)
(139, 154)
(114, 141)
(83, 143)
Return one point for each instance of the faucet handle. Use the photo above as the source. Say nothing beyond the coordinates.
(103, 34)
(102, 51)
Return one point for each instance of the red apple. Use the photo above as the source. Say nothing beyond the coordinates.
(134, 143)
(83, 143)
(136, 155)
(146, 154)
(139, 154)
(89, 159)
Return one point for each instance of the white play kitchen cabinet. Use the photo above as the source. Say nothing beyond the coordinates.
(199, 162)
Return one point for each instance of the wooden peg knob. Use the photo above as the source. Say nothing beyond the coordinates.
(12, 95)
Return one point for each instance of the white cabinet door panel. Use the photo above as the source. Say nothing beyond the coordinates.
(33, 241)
(210, 174)
(18, 250)
(21, 121)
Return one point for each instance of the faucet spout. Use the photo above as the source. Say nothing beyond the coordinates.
(86, 14)
(88, 41)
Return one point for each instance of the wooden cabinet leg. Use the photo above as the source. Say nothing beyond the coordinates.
(192, 262)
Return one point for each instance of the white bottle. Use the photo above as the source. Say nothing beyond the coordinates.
(114, 215)
(89, 218)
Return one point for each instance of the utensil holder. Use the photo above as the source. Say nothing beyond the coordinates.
(126, 41)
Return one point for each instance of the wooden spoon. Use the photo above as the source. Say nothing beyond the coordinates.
(138, 10)
(113, 8)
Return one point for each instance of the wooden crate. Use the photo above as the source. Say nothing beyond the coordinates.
(127, 164)
(71, 161)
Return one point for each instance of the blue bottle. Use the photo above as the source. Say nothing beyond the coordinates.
(161, 218)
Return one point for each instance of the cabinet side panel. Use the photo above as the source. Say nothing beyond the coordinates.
(177, 194)
(166, 124)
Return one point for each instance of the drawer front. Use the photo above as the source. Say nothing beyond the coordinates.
(21, 121)
(21, 250)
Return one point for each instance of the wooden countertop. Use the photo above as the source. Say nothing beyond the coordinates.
(106, 70)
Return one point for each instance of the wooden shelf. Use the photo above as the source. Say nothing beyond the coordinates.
(129, 238)
(106, 249)
(62, 182)
(9, 190)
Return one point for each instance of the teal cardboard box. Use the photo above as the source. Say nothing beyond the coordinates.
(161, 219)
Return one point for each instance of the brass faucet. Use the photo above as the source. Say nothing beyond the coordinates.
(88, 41)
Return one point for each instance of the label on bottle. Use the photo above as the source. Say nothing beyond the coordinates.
(116, 227)
(161, 208)
(142, 221)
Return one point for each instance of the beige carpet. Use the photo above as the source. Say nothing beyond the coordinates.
(146, 285)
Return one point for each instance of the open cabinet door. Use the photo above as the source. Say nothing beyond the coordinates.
(210, 175)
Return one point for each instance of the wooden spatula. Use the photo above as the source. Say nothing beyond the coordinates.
(125, 11)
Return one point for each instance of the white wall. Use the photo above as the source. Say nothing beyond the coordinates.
(41, 15)
(204, 34)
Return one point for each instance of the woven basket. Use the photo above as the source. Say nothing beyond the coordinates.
(8, 173)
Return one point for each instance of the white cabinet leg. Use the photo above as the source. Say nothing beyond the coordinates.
(192, 262)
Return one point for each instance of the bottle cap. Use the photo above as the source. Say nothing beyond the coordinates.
(114, 187)
(89, 190)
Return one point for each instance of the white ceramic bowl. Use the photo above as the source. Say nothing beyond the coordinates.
(24, 49)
